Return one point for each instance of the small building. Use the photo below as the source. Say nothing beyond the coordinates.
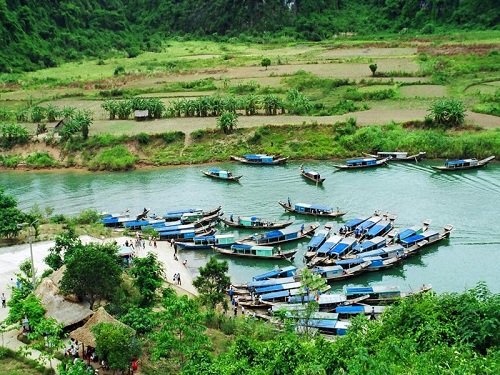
(141, 115)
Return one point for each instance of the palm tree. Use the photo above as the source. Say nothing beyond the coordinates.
(227, 121)
(250, 104)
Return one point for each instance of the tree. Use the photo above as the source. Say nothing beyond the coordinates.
(212, 283)
(10, 217)
(373, 68)
(65, 245)
(149, 276)
(117, 344)
(181, 332)
(227, 121)
(92, 272)
(448, 113)
(265, 62)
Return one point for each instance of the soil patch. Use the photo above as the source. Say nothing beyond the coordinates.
(368, 52)
(423, 91)
(458, 49)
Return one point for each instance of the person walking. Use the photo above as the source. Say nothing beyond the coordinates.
(4, 301)
(179, 279)
(154, 242)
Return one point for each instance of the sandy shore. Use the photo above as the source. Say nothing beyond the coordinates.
(12, 256)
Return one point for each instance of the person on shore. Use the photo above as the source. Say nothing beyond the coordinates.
(184, 262)
(179, 279)
(172, 242)
(4, 300)
(235, 311)
(154, 242)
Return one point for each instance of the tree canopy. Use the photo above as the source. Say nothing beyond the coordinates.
(92, 272)
(11, 217)
(212, 283)
(148, 275)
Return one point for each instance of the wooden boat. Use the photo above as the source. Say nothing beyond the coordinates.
(185, 235)
(397, 156)
(119, 220)
(414, 244)
(382, 228)
(279, 236)
(320, 236)
(363, 163)
(177, 215)
(462, 164)
(206, 242)
(220, 174)
(341, 272)
(254, 222)
(276, 273)
(311, 209)
(255, 251)
(396, 235)
(311, 175)
(381, 293)
(260, 159)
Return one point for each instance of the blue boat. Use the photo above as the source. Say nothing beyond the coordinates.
(276, 273)
(119, 220)
(395, 235)
(366, 225)
(268, 282)
(320, 236)
(462, 164)
(178, 214)
(220, 174)
(363, 163)
(343, 247)
(254, 222)
(185, 234)
(311, 209)
(260, 159)
(207, 242)
(372, 244)
(279, 236)
(381, 293)
(414, 244)
(352, 224)
(380, 229)
(256, 251)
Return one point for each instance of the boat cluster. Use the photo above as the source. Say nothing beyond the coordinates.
(368, 243)
(280, 293)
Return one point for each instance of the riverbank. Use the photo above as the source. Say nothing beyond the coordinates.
(12, 256)
(313, 141)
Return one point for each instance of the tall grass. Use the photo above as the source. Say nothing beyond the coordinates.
(118, 158)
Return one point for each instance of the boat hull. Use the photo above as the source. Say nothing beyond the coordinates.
(284, 254)
(275, 225)
(276, 161)
(320, 214)
(221, 178)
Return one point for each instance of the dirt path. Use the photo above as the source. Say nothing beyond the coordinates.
(369, 117)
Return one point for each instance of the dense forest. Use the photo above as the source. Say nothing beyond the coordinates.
(38, 34)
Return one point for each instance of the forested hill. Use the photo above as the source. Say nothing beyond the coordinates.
(36, 34)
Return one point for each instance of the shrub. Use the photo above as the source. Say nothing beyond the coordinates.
(13, 134)
(143, 138)
(40, 160)
(117, 158)
(448, 113)
(119, 70)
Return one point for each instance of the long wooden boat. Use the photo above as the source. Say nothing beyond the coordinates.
(311, 175)
(279, 236)
(119, 220)
(178, 214)
(255, 251)
(260, 159)
(206, 242)
(363, 163)
(311, 209)
(277, 273)
(254, 222)
(414, 244)
(220, 174)
(382, 293)
(397, 156)
(462, 164)
(185, 235)
(320, 236)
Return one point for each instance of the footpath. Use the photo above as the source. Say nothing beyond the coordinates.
(12, 256)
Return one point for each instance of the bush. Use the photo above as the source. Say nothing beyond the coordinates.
(448, 113)
(116, 159)
(40, 160)
(87, 217)
(143, 138)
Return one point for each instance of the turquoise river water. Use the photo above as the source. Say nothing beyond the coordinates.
(468, 200)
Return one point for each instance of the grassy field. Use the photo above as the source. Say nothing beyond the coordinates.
(412, 72)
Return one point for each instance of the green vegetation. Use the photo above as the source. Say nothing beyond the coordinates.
(11, 217)
(117, 158)
(40, 160)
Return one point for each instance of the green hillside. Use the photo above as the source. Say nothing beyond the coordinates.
(38, 34)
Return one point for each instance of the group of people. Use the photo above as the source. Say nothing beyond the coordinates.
(177, 278)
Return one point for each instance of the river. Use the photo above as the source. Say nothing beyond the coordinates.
(468, 200)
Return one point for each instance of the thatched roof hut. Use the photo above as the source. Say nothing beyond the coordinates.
(84, 334)
(65, 310)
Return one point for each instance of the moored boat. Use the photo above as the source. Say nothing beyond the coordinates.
(256, 251)
(254, 222)
(414, 244)
(311, 175)
(363, 163)
(397, 156)
(185, 235)
(311, 209)
(220, 174)
(320, 236)
(463, 164)
(206, 242)
(260, 159)
(381, 293)
(279, 236)
(177, 214)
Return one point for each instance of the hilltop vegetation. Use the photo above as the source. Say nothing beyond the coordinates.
(36, 35)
